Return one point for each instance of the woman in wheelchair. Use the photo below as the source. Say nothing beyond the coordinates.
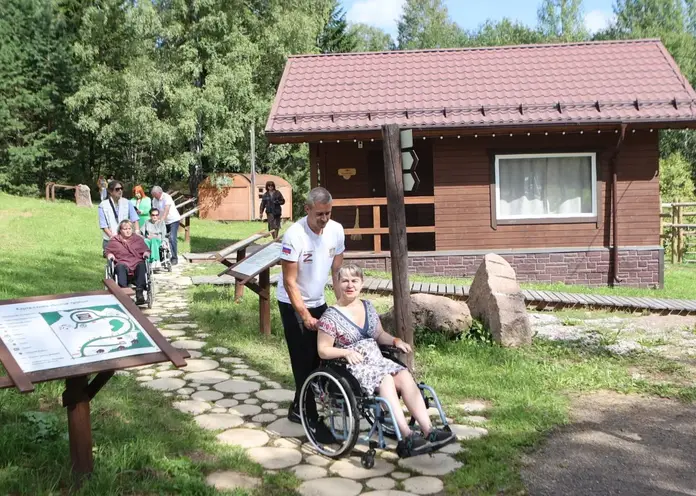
(129, 253)
(351, 330)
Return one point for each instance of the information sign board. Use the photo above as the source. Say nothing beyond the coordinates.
(50, 334)
(254, 264)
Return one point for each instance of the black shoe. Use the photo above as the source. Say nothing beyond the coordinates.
(321, 433)
(139, 299)
(440, 437)
(413, 445)
(175, 261)
(294, 415)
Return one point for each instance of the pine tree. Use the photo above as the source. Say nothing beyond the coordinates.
(336, 37)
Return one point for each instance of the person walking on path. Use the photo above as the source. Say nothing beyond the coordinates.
(101, 185)
(311, 248)
(114, 210)
(142, 204)
(271, 201)
(168, 212)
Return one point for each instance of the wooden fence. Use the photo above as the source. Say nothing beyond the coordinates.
(679, 233)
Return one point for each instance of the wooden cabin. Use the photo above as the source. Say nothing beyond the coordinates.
(228, 196)
(545, 154)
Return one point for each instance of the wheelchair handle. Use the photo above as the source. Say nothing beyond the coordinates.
(390, 349)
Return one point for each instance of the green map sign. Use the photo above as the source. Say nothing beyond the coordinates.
(71, 331)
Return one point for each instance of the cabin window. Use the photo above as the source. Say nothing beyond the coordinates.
(557, 186)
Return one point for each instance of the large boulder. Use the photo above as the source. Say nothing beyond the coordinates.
(82, 196)
(437, 313)
(496, 299)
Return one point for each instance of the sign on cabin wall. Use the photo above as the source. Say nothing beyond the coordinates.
(66, 332)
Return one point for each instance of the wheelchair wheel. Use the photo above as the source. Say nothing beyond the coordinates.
(150, 288)
(336, 407)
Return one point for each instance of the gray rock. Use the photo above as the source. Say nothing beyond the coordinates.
(229, 481)
(437, 313)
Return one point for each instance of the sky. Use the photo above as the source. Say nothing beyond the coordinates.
(469, 14)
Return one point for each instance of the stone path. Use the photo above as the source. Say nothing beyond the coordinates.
(225, 395)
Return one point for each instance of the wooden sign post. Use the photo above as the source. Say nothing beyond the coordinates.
(393, 174)
(240, 247)
(258, 264)
(71, 337)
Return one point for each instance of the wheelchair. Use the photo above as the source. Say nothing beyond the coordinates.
(341, 403)
(149, 293)
(165, 253)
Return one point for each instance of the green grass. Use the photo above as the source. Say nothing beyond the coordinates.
(680, 282)
(141, 444)
(529, 389)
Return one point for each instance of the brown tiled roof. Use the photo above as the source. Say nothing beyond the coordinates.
(601, 82)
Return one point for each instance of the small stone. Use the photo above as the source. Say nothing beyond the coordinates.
(280, 412)
(435, 464)
(475, 419)
(194, 353)
(170, 373)
(247, 372)
(231, 360)
(207, 396)
(245, 410)
(388, 492)
(264, 418)
(167, 395)
(390, 456)
(203, 388)
(202, 335)
(227, 403)
(188, 344)
(246, 438)
(400, 475)
(200, 365)
(207, 377)
(275, 458)
(335, 486)
(318, 460)
(147, 372)
(233, 386)
(261, 378)
(194, 385)
(381, 483)
(144, 378)
(218, 410)
(228, 481)
(241, 396)
(351, 468)
(274, 385)
(308, 472)
(280, 395)
(181, 315)
(218, 421)
(251, 401)
(192, 406)
(171, 334)
(451, 449)
(269, 406)
(122, 372)
(240, 365)
(165, 384)
(283, 442)
(467, 432)
(251, 425)
(284, 428)
(423, 485)
(219, 350)
(183, 325)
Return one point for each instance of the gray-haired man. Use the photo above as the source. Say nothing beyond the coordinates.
(312, 247)
(168, 212)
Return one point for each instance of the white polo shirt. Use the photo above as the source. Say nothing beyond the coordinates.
(314, 254)
(161, 204)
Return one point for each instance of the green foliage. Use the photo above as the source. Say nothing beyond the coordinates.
(426, 24)
(371, 39)
(503, 32)
(676, 183)
(336, 37)
(562, 20)
(42, 425)
(479, 332)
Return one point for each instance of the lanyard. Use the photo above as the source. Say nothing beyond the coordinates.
(113, 208)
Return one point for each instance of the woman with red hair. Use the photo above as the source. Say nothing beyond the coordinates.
(142, 204)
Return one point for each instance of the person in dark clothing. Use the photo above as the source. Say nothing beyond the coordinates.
(129, 253)
(271, 201)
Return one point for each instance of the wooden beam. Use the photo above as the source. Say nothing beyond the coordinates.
(376, 223)
(385, 230)
(368, 202)
(393, 176)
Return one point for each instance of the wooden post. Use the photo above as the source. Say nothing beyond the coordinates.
(680, 237)
(79, 426)
(675, 234)
(376, 222)
(265, 302)
(396, 212)
(238, 287)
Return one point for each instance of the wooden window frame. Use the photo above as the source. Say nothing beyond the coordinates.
(573, 219)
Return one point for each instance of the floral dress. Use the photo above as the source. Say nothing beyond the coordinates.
(348, 335)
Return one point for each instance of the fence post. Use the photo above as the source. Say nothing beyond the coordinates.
(675, 233)
(680, 242)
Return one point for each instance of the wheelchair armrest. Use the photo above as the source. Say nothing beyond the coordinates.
(391, 350)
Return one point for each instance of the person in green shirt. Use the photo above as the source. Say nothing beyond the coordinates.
(142, 204)
(155, 232)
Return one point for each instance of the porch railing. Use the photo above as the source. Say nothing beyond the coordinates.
(679, 234)
(377, 230)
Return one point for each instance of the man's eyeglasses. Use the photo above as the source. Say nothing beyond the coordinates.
(119, 188)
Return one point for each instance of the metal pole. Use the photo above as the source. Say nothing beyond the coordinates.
(253, 172)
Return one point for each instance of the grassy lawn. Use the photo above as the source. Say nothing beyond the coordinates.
(680, 282)
(141, 444)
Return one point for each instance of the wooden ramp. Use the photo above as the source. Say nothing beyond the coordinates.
(536, 299)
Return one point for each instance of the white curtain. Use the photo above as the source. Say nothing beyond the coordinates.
(545, 186)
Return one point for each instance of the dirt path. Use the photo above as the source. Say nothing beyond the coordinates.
(618, 445)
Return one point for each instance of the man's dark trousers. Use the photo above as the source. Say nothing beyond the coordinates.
(122, 273)
(302, 345)
(173, 231)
